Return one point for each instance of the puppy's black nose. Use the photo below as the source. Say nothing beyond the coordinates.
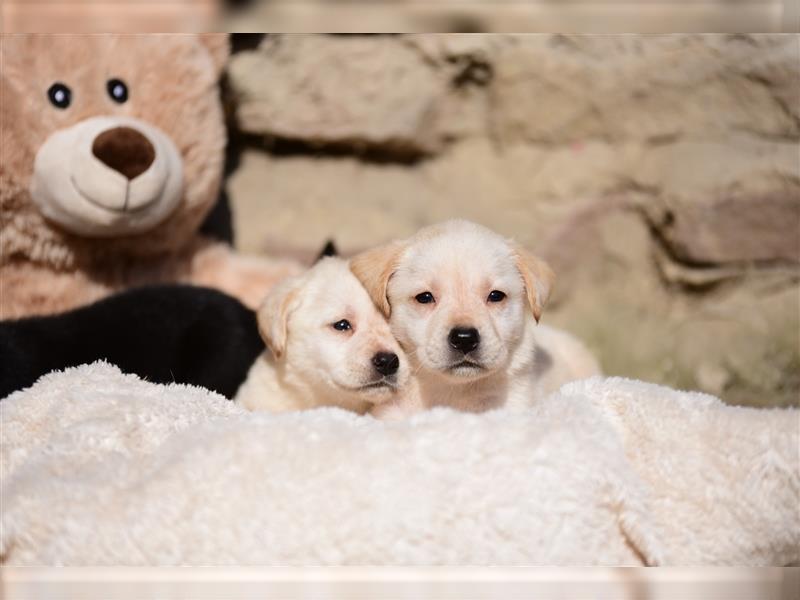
(386, 363)
(465, 339)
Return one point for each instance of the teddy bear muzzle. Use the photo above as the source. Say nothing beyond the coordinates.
(108, 176)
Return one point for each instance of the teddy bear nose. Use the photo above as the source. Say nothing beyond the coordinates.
(125, 150)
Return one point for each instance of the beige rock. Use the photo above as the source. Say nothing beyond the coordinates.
(513, 16)
(564, 88)
(337, 90)
(720, 202)
(737, 229)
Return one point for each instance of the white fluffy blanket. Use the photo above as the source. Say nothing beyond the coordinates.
(101, 468)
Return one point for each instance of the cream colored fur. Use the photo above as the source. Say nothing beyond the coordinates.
(311, 364)
(101, 468)
(460, 263)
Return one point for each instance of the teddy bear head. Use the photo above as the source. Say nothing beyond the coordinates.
(113, 145)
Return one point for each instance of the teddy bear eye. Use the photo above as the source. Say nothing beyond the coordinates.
(117, 90)
(424, 298)
(496, 296)
(60, 95)
(342, 325)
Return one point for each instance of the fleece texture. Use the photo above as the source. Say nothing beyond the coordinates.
(101, 468)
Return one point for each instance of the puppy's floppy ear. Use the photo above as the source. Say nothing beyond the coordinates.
(538, 278)
(273, 316)
(374, 268)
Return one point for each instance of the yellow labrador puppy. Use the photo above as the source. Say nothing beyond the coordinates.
(464, 304)
(327, 346)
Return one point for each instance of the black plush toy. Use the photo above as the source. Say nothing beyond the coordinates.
(165, 334)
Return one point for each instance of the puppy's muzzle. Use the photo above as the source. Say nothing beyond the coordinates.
(464, 339)
(386, 363)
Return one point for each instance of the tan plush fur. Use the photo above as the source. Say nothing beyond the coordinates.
(172, 82)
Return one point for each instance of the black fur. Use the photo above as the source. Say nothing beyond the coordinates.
(329, 249)
(162, 333)
(219, 222)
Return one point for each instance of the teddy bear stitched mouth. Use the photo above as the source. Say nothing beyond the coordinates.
(124, 209)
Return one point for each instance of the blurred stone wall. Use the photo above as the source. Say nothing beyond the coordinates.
(498, 16)
(493, 16)
(659, 175)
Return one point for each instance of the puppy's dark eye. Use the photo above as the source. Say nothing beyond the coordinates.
(117, 90)
(60, 95)
(424, 298)
(342, 325)
(496, 296)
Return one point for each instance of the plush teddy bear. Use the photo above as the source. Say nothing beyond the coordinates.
(112, 156)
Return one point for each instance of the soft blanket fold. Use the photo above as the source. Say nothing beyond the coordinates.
(101, 468)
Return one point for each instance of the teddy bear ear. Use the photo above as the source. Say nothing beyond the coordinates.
(218, 46)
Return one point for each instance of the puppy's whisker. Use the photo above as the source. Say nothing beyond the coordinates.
(411, 353)
(418, 369)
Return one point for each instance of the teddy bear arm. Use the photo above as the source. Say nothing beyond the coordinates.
(29, 290)
(248, 278)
